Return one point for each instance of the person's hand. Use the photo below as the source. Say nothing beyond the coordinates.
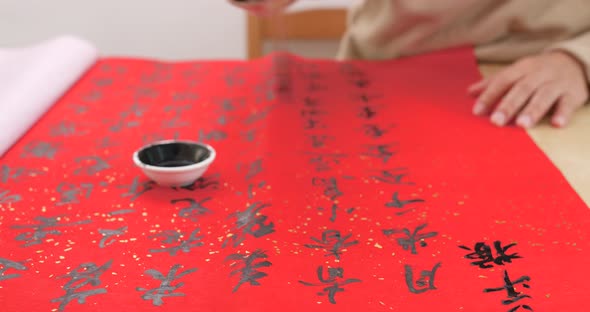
(530, 88)
(262, 7)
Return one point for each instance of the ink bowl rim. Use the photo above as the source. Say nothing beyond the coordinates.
(204, 163)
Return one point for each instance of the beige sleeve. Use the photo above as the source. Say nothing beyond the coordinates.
(579, 47)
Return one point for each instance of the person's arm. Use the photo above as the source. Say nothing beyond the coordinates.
(558, 79)
(579, 48)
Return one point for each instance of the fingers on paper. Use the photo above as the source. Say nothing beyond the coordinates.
(539, 105)
(565, 108)
(476, 88)
(515, 99)
(495, 89)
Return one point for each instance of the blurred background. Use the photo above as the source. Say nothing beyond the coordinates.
(164, 29)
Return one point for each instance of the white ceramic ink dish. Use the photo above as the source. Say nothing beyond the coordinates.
(174, 163)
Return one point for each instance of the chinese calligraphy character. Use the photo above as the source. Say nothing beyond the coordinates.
(323, 162)
(254, 169)
(175, 122)
(136, 189)
(166, 289)
(8, 174)
(424, 283)
(6, 264)
(332, 242)
(249, 271)
(334, 211)
(6, 197)
(333, 283)
(202, 183)
(513, 295)
(65, 129)
(318, 141)
(42, 229)
(381, 151)
(411, 238)
(484, 254)
(69, 193)
(393, 176)
(173, 237)
(251, 222)
(83, 275)
(374, 131)
(107, 236)
(367, 112)
(331, 189)
(40, 150)
(400, 204)
(214, 135)
(194, 210)
(91, 165)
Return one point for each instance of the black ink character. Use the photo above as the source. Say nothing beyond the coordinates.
(311, 123)
(424, 283)
(65, 129)
(483, 253)
(334, 211)
(92, 96)
(136, 189)
(174, 237)
(367, 112)
(400, 204)
(211, 181)
(408, 242)
(91, 165)
(374, 131)
(251, 188)
(312, 113)
(184, 96)
(330, 185)
(310, 102)
(106, 142)
(123, 124)
(319, 141)
(333, 284)
(361, 83)
(194, 209)
(254, 169)
(69, 193)
(324, 162)
(166, 289)
(175, 122)
(8, 174)
(332, 242)
(381, 151)
(107, 236)
(214, 135)
(6, 264)
(6, 197)
(42, 229)
(249, 135)
(251, 222)
(40, 150)
(513, 295)
(257, 116)
(83, 275)
(249, 271)
(394, 176)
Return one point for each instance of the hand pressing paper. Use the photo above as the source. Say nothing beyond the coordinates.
(32, 79)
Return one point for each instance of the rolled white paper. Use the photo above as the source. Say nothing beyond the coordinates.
(33, 78)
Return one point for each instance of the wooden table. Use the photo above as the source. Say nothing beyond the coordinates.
(568, 148)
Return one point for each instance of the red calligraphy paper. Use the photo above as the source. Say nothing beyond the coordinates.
(338, 187)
